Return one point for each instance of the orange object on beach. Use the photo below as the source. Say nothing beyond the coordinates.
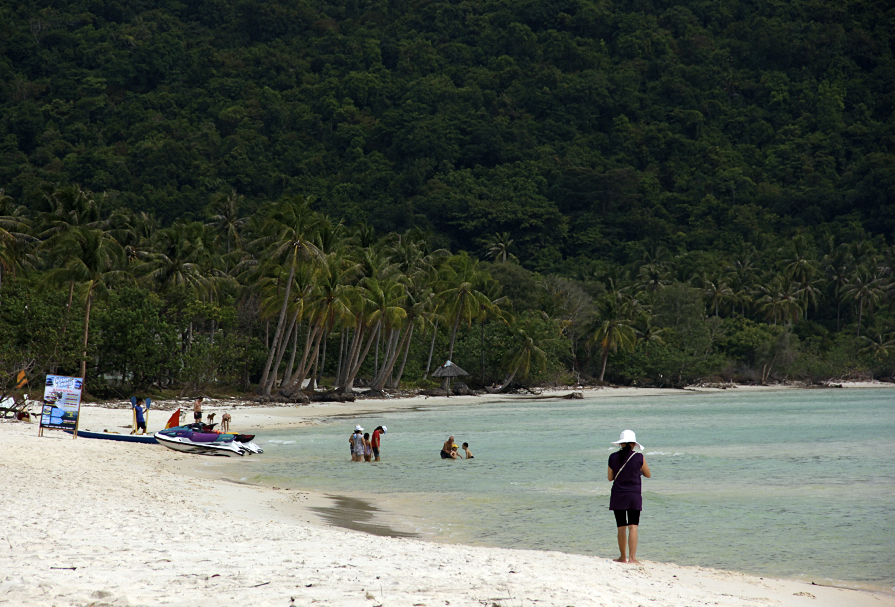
(174, 421)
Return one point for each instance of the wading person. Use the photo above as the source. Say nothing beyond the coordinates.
(625, 469)
(377, 437)
(447, 451)
(357, 444)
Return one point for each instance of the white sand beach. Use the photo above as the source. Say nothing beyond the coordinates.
(101, 523)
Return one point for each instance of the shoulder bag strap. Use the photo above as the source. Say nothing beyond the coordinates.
(630, 457)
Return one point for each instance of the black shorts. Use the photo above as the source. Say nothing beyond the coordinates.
(141, 425)
(197, 415)
(445, 455)
(633, 517)
(375, 452)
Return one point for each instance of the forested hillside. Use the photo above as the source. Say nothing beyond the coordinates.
(664, 192)
(576, 126)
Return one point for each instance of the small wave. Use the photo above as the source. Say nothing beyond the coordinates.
(281, 442)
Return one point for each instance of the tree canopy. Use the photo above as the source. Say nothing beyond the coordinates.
(575, 127)
(282, 192)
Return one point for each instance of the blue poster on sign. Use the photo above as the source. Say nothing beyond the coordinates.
(62, 403)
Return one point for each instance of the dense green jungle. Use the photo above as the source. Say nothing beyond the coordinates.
(251, 195)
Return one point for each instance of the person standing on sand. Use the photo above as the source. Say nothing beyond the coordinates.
(197, 410)
(377, 436)
(625, 469)
(139, 412)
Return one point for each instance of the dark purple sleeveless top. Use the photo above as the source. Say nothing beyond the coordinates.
(626, 486)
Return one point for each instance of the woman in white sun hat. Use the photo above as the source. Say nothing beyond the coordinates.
(625, 469)
(356, 443)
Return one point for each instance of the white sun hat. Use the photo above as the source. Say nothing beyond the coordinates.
(384, 429)
(358, 429)
(627, 437)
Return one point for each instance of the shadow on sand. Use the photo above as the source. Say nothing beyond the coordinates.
(356, 514)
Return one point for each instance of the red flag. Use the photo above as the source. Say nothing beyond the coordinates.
(174, 421)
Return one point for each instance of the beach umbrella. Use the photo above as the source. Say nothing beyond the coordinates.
(449, 370)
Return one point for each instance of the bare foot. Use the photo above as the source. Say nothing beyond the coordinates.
(621, 559)
(633, 561)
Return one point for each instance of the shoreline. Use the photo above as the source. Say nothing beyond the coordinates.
(155, 537)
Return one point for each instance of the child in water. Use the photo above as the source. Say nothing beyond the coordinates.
(468, 452)
(368, 447)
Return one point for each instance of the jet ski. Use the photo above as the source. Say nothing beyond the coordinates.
(203, 440)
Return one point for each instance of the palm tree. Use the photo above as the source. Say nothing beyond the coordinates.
(224, 218)
(289, 241)
(801, 268)
(780, 299)
(94, 259)
(176, 259)
(378, 307)
(838, 267)
(646, 331)
(865, 290)
(652, 277)
(71, 207)
(498, 248)
(420, 306)
(14, 237)
(741, 277)
(526, 352)
(133, 231)
(880, 344)
(717, 292)
(613, 330)
(328, 304)
(461, 281)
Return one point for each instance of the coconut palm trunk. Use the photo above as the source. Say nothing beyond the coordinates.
(291, 366)
(431, 350)
(280, 351)
(605, 359)
(358, 361)
(277, 333)
(396, 382)
(341, 355)
(386, 371)
(86, 330)
(506, 383)
(309, 355)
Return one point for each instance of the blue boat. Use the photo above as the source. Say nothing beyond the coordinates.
(127, 438)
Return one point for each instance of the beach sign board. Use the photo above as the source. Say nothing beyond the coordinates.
(62, 403)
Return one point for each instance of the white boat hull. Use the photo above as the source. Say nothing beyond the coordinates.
(177, 443)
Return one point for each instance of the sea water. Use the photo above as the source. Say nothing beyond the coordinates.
(788, 483)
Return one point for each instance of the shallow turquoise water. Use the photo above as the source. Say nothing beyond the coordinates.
(791, 483)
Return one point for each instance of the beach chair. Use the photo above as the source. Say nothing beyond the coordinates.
(10, 408)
